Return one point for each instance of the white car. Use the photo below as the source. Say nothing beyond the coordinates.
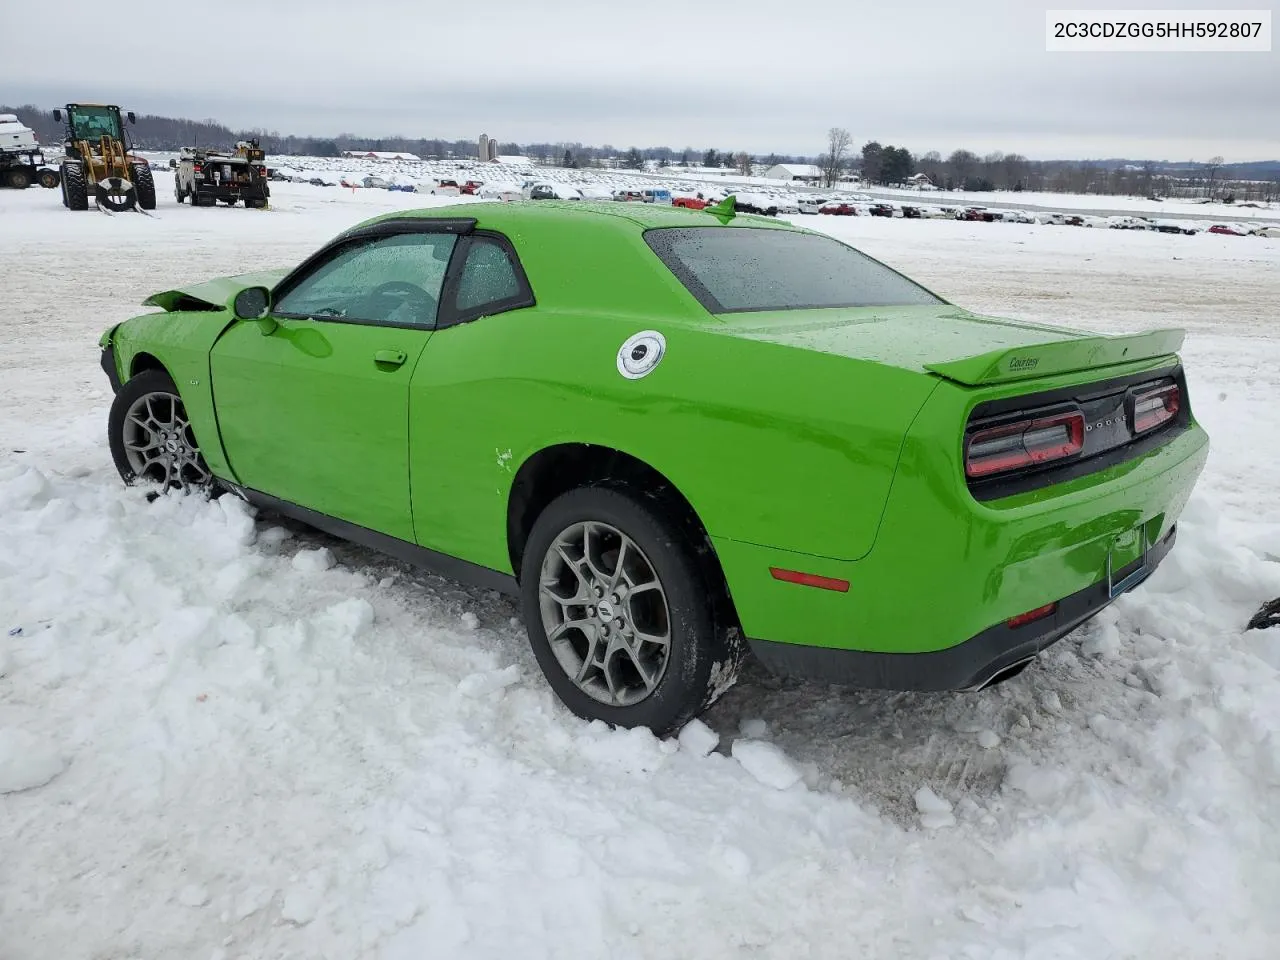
(787, 206)
(1095, 221)
(1273, 232)
(810, 204)
(590, 192)
(1018, 216)
(505, 192)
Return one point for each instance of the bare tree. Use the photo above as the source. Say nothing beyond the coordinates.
(1212, 168)
(743, 162)
(832, 162)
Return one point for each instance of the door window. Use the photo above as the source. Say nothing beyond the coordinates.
(394, 280)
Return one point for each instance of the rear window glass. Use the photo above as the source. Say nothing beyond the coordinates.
(734, 270)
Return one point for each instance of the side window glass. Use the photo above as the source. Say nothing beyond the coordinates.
(395, 279)
(488, 277)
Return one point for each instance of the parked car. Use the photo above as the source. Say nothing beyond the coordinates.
(374, 182)
(933, 515)
(628, 195)
(1267, 232)
(1229, 229)
(554, 191)
(690, 202)
(810, 205)
(839, 208)
(881, 210)
(748, 201)
(976, 214)
(1017, 216)
(470, 187)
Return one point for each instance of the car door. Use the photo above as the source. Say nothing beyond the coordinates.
(453, 464)
(313, 407)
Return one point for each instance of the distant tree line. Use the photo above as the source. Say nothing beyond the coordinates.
(964, 170)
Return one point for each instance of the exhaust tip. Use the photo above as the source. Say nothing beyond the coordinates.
(1005, 673)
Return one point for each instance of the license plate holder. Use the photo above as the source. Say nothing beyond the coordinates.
(1115, 586)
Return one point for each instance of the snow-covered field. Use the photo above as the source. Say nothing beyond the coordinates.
(411, 172)
(222, 736)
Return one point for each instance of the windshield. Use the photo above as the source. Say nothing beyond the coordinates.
(734, 270)
(92, 123)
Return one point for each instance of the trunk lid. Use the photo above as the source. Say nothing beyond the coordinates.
(944, 340)
(212, 294)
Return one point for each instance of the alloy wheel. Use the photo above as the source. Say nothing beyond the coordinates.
(605, 613)
(160, 444)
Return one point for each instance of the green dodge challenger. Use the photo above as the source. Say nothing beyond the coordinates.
(676, 435)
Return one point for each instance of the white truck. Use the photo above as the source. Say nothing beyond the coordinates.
(21, 162)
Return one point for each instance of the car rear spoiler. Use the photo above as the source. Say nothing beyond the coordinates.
(213, 294)
(1061, 356)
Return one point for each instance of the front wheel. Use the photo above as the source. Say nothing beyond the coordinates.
(151, 436)
(619, 612)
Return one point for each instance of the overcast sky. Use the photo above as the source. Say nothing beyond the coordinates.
(755, 75)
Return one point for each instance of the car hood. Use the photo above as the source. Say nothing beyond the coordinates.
(212, 294)
(949, 342)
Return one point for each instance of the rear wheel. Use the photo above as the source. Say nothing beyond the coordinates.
(49, 179)
(151, 437)
(178, 195)
(18, 179)
(144, 185)
(619, 612)
(75, 193)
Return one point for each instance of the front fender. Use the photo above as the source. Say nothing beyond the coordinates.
(181, 343)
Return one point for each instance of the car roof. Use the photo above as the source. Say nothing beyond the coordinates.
(509, 216)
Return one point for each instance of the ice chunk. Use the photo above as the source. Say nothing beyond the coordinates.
(935, 812)
(697, 738)
(767, 763)
(313, 561)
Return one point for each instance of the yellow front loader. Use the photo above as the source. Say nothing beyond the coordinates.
(98, 164)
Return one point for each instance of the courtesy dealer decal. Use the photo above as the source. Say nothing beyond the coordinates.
(640, 353)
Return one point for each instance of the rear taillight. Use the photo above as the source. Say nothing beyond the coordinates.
(1155, 407)
(1024, 443)
(198, 168)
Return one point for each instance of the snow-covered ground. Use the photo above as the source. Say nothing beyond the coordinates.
(222, 736)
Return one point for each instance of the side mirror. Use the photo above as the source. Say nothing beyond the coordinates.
(254, 303)
(57, 115)
(132, 118)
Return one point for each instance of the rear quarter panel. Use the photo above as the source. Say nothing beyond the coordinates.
(770, 444)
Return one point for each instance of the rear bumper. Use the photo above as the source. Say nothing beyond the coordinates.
(230, 191)
(969, 665)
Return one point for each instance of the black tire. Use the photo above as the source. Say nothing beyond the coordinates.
(703, 655)
(49, 179)
(144, 185)
(196, 199)
(156, 382)
(18, 179)
(178, 194)
(73, 187)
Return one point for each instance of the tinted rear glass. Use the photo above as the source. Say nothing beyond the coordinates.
(731, 270)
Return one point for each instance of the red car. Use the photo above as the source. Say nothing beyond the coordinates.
(693, 203)
(839, 208)
(471, 186)
(1228, 230)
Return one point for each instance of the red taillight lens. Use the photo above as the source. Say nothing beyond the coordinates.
(262, 171)
(1024, 443)
(1153, 408)
(198, 168)
(1039, 613)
